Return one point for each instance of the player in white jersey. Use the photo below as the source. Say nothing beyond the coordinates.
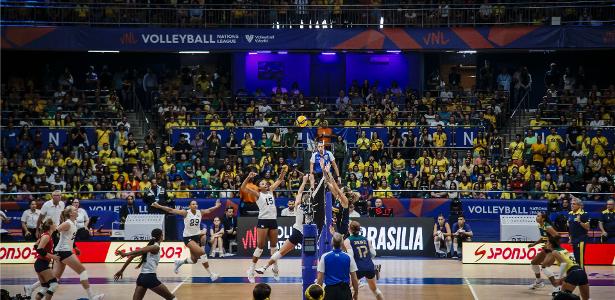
(267, 219)
(64, 249)
(192, 234)
(150, 256)
(296, 237)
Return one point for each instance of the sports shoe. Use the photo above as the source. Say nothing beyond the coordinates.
(536, 285)
(378, 269)
(260, 270)
(276, 273)
(27, 289)
(251, 275)
(557, 289)
(178, 263)
(455, 256)
(214, 277)
(98, 297)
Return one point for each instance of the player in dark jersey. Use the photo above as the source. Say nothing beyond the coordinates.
(44, 248)
(362, 251)
(571, 273)
(442, 234)
(340, 209)
(543, 260)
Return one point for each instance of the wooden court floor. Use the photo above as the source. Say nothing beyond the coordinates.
(401, 279)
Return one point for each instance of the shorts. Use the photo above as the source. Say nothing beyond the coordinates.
(64, 254)
(576, 276)
(195, 238)
(148, 280)
(366, 274)
(296, 237)
(267, 223)
(340, 291)
(41, 265)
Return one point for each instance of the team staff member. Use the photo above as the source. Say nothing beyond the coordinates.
(336, 269)
(578, 225)
(607, 222)
(52, 209)
(29, 218)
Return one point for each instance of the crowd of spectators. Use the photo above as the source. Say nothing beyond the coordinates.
(421, 164)
(337, 13)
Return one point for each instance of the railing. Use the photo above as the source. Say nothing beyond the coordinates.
(285, 16)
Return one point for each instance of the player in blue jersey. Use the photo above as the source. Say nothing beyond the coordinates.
(362, 250)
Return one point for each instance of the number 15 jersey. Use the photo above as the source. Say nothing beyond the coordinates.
(266, 206)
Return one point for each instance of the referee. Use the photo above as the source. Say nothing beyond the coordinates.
(336, 269)
(578, 225)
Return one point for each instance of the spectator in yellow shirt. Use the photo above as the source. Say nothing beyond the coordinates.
(538, 152)
(363, 144)
(376, 145)
(554, 141)
(439, 137)
(600, 143)
(537, 123)
(516, 148)
(479, 143)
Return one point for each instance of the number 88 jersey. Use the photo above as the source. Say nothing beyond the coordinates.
(266, 206)
(192, 223)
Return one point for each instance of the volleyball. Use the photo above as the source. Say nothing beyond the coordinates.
(302, 121)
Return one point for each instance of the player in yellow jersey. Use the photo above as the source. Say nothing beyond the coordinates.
(543, 258)
(571, 274)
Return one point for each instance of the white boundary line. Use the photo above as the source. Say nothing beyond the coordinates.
(179, 285)
(471, 288)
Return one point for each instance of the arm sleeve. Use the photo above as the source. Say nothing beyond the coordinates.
(321, 264)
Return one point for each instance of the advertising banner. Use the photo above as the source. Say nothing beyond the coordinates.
(519, 253)
(187, 39)
(92, 252)
(391, 236)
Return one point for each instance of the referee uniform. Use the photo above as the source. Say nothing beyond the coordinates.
(578, 234)
(336, 267)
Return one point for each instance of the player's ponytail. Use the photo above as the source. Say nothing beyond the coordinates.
(354, 227)
(46, 226)
(156, 235)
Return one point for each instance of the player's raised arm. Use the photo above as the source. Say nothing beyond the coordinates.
(277, 183)
(247, 189)
(209, 210)
(169, 209)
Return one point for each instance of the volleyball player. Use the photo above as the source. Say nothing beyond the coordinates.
(267, 225)
(340, 208)
(150, 257)
(192, 235)
(543, 259)
(363, 251)
(571, 274)
(442, 234)
(296, 237)
(44, 248)
(64, 249)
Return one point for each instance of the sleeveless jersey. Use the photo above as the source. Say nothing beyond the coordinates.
(48, 247)
(362, 256)
(544, 235)
(568, 258)
(342, 214)
(266, 206)
(67, 238)
(151, 263)
(192, 223)
(299, 218)
(442, 228)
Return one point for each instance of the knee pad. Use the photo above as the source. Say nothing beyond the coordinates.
(277, 255)
(83, 276)
(46, 284)
(257, 252)
(377, 292)
(548, 272)
(536, 269)
(53, 286)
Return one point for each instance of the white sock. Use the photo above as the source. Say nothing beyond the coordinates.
(448, 246)
(437, 244)
(90, 293)
(455, 246)
(35, 285)
(207, 270)
(253, 266)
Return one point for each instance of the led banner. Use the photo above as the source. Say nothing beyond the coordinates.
(520, 254)
(390, 236)
(174, 39)
(92, 252)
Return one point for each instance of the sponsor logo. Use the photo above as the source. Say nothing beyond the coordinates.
(248, 240)
(480, 252)
(249, 38)
(17, 253)
(128, 38)
(176, 38)
(499, 253)
(259, 39)
(435, 38)
(395, 238)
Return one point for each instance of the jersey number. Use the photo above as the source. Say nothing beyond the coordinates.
(269, 201)
(194, 222)
(362, 250)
